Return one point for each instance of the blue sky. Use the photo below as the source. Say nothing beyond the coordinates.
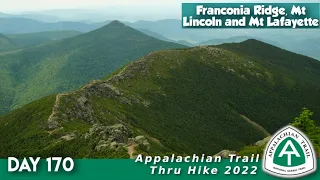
(36, 5)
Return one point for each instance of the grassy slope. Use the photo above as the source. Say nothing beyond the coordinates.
(296, 83)
(69, 63)
(192, 95)
(188, 110)
(191, 100)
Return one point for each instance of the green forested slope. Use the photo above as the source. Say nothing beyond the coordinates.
(31, 39)
(6, 43)
(31, 73)
(11, 42)
(185, 101)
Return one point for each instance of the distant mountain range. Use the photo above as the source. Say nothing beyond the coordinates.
(171, 30)
(31, 73)
(187, 100)
(33, 16)
(17, 25)
(235, 39)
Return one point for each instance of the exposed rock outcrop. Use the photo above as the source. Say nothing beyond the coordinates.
(110, 137)
(225, 153)
(263, 142)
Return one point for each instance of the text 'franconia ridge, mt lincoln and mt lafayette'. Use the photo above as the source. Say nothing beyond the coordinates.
(249, 15)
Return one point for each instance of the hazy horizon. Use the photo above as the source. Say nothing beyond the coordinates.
(99, 10)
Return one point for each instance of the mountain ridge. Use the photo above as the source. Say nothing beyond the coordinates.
(191, 100)
(171, 29)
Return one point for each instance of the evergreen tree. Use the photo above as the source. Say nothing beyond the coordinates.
(308, 126)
